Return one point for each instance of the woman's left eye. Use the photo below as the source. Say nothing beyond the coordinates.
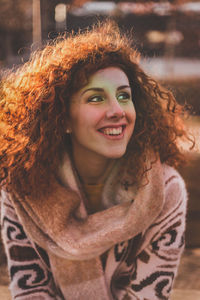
(123, 96)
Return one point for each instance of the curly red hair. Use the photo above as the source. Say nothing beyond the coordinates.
(35, 101)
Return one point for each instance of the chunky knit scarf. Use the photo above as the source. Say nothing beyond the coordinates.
(74, 241)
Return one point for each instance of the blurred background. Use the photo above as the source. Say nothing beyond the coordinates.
(167, 33)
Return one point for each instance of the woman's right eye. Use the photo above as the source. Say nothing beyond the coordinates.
(95, 98)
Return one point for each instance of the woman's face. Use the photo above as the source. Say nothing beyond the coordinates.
(102, 115)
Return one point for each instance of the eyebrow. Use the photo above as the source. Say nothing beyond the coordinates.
(96, 89)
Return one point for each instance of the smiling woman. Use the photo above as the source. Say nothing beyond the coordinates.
(92, 207)
(101, 121)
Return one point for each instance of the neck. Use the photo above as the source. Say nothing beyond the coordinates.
(94, 169)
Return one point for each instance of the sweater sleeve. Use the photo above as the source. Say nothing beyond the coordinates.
(28, 265)
(151, 259)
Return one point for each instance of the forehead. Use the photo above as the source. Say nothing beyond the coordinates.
(108, 76)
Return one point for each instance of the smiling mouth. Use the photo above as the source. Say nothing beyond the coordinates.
(113, 131)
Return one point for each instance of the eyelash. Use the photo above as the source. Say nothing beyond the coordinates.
(91, 99)
(127, 96)
(98, 97)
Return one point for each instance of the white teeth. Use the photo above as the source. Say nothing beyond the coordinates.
(112, 131)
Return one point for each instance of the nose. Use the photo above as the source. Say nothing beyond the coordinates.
(114, 110)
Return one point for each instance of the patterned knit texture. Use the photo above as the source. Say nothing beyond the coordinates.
(142, 268)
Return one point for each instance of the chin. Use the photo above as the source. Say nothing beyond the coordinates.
(116, 154)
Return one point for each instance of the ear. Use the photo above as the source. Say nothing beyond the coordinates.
(68, 126)
(68, 131)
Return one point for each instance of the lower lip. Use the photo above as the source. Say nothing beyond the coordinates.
(113, 137)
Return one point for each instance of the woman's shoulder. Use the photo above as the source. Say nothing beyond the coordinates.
(172, 176)
(174, 187)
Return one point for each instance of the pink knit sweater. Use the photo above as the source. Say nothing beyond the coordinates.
(143, 267)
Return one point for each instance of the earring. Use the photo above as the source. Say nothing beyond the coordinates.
(68, 131)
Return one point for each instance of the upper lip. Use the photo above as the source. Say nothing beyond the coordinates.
(113, 126)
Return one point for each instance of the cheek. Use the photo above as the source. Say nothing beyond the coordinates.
(85, 119)
(92, 116)
(131, 115)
